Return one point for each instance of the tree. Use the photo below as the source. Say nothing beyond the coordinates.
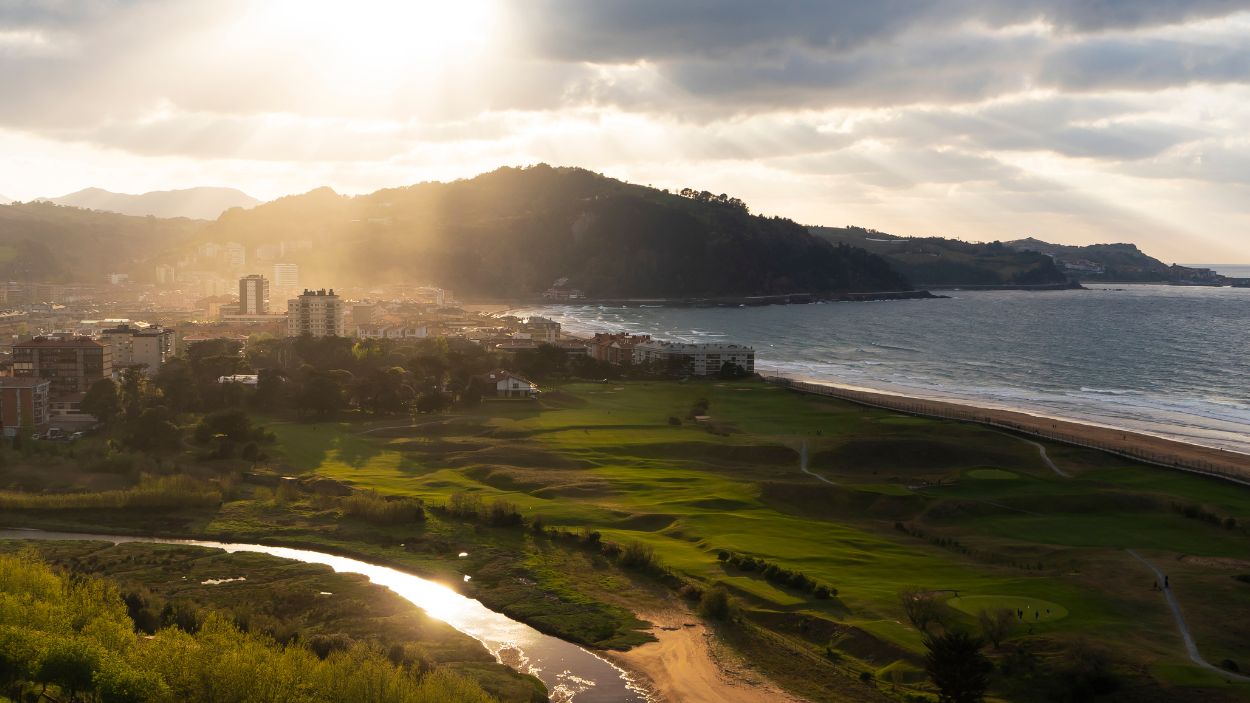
(320, 394)
(996, 625)
(433, 401)
(177, 386)
(133, 391)
(101, 401)
(715, 603)
(921, 607)
(153, 431)
(957, 667)
(271, 389)
(233, 423)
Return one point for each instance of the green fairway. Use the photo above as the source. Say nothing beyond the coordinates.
(1033, 609)
(917, 503)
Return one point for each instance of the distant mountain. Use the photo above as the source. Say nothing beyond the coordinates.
(514, 231)
(1116, 262)
(4, 199)
(195, 203)
(41, 241)
(934, 262)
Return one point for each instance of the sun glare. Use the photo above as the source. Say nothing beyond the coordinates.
(380, 38)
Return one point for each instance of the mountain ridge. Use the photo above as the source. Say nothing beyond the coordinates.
(200, 203)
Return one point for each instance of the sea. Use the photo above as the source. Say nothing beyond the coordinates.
(1165, 360)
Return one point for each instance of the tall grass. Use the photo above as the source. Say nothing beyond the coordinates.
(154, 493)
(373, 507)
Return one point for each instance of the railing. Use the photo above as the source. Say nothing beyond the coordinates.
(1233, 468)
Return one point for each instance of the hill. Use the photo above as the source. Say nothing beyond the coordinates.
(932, 262)
(195, 203)
(41, 241)
(1115, 262)
(514, 231)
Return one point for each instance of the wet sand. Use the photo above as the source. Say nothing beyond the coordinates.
(1143, 447)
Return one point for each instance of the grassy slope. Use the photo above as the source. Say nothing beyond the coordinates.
(604, 456)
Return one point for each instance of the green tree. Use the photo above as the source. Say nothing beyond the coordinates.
(271, 389)
(320, 395)
(153, 431)
(101, 401)
(957, 667)
(177, 386)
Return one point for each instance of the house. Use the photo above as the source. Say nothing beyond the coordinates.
(616, 349)
(510, 385)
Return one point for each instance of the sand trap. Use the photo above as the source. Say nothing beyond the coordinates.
(687, 666)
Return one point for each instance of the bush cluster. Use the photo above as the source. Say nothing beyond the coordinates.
(371, 506)
(777, 575)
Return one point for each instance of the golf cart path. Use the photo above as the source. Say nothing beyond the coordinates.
(1190, 647)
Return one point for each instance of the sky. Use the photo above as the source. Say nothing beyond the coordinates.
(1075, 121)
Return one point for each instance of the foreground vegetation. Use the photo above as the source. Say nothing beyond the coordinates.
(605, 501)
(71, 639)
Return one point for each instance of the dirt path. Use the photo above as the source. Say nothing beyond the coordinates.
(804, 469)
(1041, 449)
(1191, 647)
(687, 666)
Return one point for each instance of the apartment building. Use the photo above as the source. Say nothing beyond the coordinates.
(316, 312)
(695, 359)
(148, 347)
(70, 364)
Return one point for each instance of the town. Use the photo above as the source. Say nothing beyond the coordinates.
(60, 340)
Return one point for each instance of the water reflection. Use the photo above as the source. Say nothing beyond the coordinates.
(571, 674)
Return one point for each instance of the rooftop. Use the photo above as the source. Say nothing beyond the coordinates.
(47, 342)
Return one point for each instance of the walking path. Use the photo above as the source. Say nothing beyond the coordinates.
(1190, 646)
(803, 466)
(1041, 449)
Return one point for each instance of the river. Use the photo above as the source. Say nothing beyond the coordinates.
(572, 674)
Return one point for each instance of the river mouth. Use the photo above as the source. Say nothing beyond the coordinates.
(571, 673)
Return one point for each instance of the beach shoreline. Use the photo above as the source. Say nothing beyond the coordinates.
(1139, 446)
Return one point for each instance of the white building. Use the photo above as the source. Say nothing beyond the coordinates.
(695, 359)
(235, 255)
(510, 385)
(286, 276)
(391, 332)
(316, 312)
(253, 295)
(149, 347)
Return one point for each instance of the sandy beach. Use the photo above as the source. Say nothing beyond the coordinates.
(686, 665)
(1143, 447)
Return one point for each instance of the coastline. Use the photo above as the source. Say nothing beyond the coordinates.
(1160, 451)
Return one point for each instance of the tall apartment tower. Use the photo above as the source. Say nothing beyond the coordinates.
(316, 312)
(253, 295)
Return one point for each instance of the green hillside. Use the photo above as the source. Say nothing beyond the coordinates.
(512, 232)
(935, 261)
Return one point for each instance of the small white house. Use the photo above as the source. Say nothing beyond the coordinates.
(510, 385)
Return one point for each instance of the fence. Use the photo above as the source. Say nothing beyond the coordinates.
(1226, 465)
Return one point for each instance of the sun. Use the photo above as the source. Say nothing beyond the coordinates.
(378, 39)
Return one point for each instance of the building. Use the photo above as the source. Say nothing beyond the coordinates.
(286, 277)
(235, 255)
(694, 359)
(510, 385)
(24, 404)
(149, 347)
(253, 295)
(70, 365)
(392, 332)
(316, 312)
(617, 348)
(542, 330)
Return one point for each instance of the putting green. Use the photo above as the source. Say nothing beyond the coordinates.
(972, 605)
(993, 474)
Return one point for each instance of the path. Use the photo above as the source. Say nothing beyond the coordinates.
(1190, 647)
(403, 427)
(685, 665)
(803, 465)
(1041, 450)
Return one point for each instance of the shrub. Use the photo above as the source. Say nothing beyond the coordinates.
(372, 507)
(674, 421)
(715, 603)
(503, 513)
(636, 555)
